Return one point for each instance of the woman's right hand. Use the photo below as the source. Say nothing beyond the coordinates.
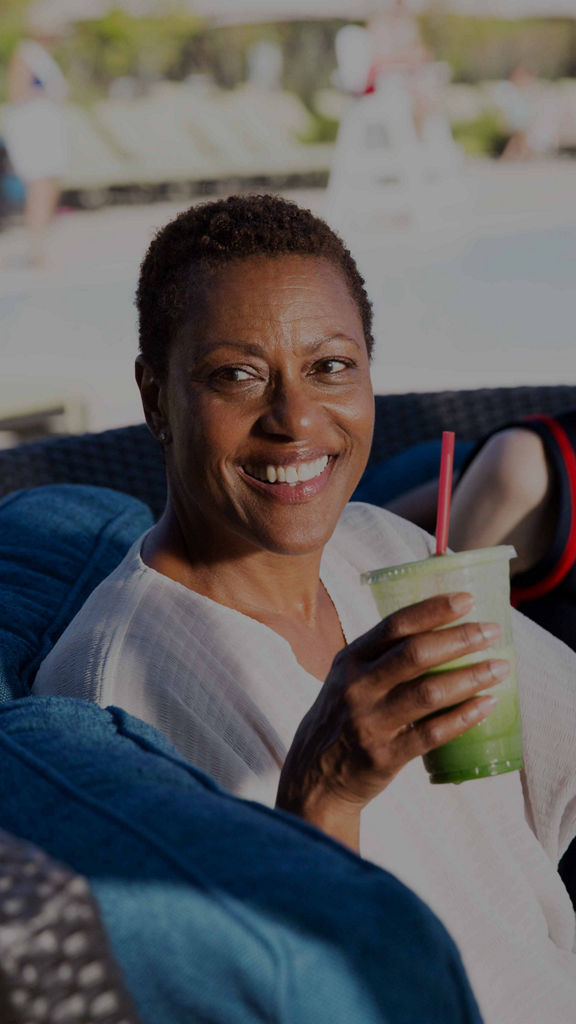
(381, 706)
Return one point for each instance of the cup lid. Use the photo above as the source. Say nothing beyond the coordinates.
(440, 563)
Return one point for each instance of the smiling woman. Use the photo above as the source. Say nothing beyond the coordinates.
(237, 625)
(268, 406)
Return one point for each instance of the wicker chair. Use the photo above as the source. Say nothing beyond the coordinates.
(128, 459)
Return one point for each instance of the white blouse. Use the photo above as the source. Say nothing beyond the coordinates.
(229, 693)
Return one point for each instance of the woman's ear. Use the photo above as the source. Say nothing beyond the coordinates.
(151, 395)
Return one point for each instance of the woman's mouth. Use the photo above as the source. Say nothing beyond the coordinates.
(298, 473)
(290, 484)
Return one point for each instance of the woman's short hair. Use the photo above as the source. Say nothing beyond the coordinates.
(209, 236)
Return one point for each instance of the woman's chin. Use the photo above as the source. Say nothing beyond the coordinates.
(295, 539)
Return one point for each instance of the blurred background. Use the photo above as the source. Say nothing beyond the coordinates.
(439, 138)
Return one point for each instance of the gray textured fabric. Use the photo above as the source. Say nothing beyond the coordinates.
(55, 965)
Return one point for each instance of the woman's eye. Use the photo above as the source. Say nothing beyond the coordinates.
(235, 374)
(331, 366)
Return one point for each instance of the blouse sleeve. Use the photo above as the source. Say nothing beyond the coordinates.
(547, 695)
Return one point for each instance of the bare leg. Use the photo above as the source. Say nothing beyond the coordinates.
(516, 148)
(41, 199)
(508, 495)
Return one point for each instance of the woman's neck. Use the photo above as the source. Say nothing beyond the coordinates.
(282, 592)
(256, 582)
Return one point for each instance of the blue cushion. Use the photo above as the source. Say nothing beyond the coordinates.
(219, 910)
(56, 544)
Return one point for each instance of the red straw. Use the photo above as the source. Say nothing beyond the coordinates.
(444, 492)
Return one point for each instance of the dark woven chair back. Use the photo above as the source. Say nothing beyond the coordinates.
(404, 420)
(128, 459)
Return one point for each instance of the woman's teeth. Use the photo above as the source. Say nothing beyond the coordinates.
(288, 474)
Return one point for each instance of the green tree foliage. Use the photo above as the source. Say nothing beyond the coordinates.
(92, 53)
(490, 48)
(119, 45)
(484, 135)
(12, 15)
(175, 44)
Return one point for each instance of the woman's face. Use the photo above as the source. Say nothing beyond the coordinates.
(269, 404)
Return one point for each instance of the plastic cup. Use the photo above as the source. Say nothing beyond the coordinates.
(493, 746)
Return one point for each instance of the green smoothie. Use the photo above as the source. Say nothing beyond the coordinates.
(495, 745)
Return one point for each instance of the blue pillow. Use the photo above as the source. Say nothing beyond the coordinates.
(219, 910)
(56, 544)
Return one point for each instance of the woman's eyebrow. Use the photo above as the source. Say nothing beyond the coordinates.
(255, 349)
(340, 336)
(250, 347)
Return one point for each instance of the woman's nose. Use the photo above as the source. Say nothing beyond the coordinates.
(292, 412)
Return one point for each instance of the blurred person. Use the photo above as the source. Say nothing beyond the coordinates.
(352, 47)
(515, 100)
(398, 53)
(396, 44)
(533, 117)
(34, 127)
(399, 118)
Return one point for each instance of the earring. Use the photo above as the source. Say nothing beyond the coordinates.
(164, 436)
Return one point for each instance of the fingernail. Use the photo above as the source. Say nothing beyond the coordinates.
(481, 710)
(461, 603)
(500, 669)
(490, 630)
